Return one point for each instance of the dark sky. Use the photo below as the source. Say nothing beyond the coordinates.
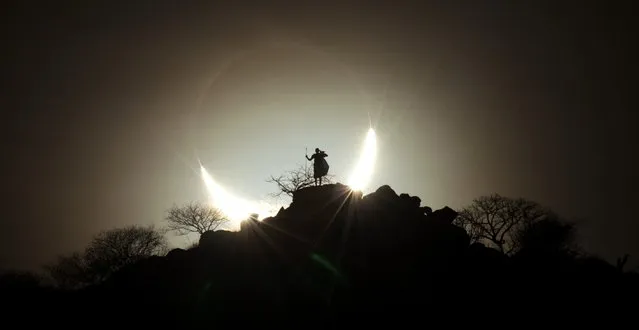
(107, 107)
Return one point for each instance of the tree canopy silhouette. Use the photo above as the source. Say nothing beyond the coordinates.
(550, 235)
(498, 220)
(107, 252)
(195, 217)
(335, 256)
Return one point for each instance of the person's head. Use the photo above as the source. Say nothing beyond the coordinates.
(317, 150)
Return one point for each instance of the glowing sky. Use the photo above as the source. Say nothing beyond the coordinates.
(237, 208)
(111, 109)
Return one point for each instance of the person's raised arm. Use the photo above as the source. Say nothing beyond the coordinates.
(310, 158)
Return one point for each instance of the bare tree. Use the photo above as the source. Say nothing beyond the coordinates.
(467, 221)
(112, 249)
(69, 272)
(498, 220)
(107, 252)
(294, 180)
(195, 217)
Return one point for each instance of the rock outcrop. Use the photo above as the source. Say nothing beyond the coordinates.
(331, 257)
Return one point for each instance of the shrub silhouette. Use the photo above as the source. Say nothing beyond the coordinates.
(107, 252)
(336, 257)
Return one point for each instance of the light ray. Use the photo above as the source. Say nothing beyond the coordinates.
(363, 171)
(235, 208)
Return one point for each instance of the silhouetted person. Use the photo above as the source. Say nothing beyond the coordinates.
(320, 166)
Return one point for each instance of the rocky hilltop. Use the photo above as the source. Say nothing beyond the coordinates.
(335, 256)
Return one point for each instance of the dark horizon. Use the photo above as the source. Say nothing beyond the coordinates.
(103, 122)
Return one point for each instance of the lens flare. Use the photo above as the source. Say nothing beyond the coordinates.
(364, 169)
(235, 208)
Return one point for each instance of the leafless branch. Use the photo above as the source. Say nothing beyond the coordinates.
(194, 217)
(294, 180)
(496, 220)
(109, 251)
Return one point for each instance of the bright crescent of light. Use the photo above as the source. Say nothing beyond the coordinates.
(238, 209)
(235, 208)
(363, 171)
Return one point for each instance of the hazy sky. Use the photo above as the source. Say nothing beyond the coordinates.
(107, 108)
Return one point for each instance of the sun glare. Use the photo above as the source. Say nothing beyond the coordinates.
(235, 208)
(363, 171)
(239, 209)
